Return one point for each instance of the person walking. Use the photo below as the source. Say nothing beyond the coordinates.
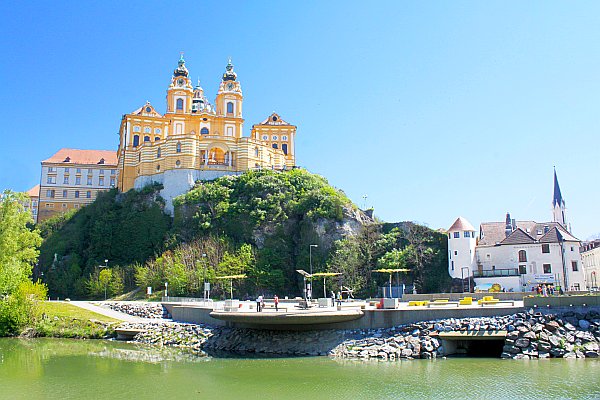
(259, 301)
(276, 301)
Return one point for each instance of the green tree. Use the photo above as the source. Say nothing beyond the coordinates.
(18, 243)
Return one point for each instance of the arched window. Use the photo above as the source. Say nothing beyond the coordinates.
(136, 140)
(284, 148)
(275, 145)
(146, 138)
(204, 131)
(179, 105)
(156, 138)
(522, 256)
(230, 108)
(256, 152)
(158, 153)
(178, 147)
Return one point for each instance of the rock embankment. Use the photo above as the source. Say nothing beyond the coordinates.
(187, 336)
(143, 310)
(530, 335)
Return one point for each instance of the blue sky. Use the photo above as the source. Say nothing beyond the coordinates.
(432, 109)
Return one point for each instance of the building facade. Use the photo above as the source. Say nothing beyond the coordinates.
(196, 140)
(32, 203)
(72, 178)
(590, 258)
(518, 255)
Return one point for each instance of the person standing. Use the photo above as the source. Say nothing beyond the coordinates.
(276, 301)
(259, 301)
(332, 298)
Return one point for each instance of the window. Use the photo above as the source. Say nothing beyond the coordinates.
(90, 171)
(77, 194)
(50, 193)
(64, 205)
(522, 269)
(547, 269)
(467, 234)
(64, 193)
(112, 181)
(113, 171)
(456, 235)
(156, 138)
(51, 205)
(51, 169)
(204, 131)
(178, 147)
(546, 248)
(230, 108)
(147, 129)
(158, 153)
(88, 194)
(78, 180)
(34, 203)
(157, 131)
(146, 138)
(284, 138)
(178, 129)
(179, 105)
(572, 248)
(51, 179)
(284, 148)
(136, 128)
(274, 145)
(89, 181)
(177, 163)
(78, 170)
(66, 180)
(101, 172)
(452, 265)
(136, 140)
(522, 256)
(455, 252)
(574, 266)
(101, 181)
(265, 137)
(66, 170)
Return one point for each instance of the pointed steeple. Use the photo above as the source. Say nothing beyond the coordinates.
(558, 204)
(557, 199)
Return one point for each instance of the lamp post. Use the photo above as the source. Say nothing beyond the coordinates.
(106, 284)
(311, 271)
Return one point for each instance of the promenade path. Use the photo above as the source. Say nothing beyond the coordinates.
(112, 313)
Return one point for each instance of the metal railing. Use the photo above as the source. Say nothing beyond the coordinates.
(496, 272)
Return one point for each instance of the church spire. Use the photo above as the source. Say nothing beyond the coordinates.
(558, 204)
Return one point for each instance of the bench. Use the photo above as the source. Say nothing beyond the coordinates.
(443, 303)
(415, 303)
(495, 301)
(466, 301)
(272, 307)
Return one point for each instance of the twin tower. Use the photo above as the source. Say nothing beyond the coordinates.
(196, 140)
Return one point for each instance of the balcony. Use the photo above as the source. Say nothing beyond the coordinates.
(493, 273)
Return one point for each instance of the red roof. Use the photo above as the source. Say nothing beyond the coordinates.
(88, 157)
(461, 224)
(34, 191)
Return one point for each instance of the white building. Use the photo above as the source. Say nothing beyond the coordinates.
(590, 259)
(518, 255)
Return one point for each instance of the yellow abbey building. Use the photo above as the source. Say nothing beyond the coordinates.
(196, 140)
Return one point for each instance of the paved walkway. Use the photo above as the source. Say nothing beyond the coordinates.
(112, 313)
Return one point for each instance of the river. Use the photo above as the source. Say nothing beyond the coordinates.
(34, 369)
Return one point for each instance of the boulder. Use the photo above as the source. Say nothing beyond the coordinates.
(583, 324)
(552, 326)
(522, 342)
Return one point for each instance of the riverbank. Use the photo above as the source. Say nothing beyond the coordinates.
(521, 335)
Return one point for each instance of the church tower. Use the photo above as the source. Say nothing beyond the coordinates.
(180, 91)
(559, 210)
(461, 249)
(229, 96)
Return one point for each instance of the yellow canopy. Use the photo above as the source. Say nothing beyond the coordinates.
(241, 276)
(391, 270)
(326, 273)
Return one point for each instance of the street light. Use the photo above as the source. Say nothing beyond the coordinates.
(311, 272)
(106, 284)
(205, 289)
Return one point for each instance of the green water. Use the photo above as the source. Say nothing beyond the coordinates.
(72, 369)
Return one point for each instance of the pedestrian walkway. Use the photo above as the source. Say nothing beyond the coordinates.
(112, 313)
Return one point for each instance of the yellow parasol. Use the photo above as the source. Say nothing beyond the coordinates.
(231, 278)
(325, 275)
(391, 272)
